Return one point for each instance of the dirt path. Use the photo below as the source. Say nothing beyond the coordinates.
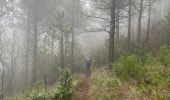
(84, 90)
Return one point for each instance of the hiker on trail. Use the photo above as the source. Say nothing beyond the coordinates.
(88, 65)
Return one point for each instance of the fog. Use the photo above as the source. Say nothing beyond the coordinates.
(40, 38)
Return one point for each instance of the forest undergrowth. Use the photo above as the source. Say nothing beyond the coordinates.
(133, 77)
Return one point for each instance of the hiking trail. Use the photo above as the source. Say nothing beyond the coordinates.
(84, 89)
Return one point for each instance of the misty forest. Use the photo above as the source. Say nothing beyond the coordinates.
(84, 49)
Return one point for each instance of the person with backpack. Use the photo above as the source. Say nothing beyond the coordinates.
(88, 65)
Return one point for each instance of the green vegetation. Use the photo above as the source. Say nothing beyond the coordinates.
(103, 86)
(101, 56)
(66, 89)
(39, 94)
(130, 67)
(137, 77)
(143, 76)
(164, 56)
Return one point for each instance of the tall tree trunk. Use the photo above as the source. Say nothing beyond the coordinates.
(27, 50)
(117, 31)
(112, 35)
(149, 22)
(66, 45)
(129, 25)
(62, 50)
(140, 21)
(52, 48)
(168, 34)
(2, 81)
(72, 49)
(73, 37)
(12, 72)
(3, 69)
(35, 46)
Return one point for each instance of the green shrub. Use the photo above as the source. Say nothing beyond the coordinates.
(167, 82)
(101, 56)
(65, 90)
(39, 94)
(159, 97)
(164, 56)
(148, 59)
(104, 86)
(130, 67)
